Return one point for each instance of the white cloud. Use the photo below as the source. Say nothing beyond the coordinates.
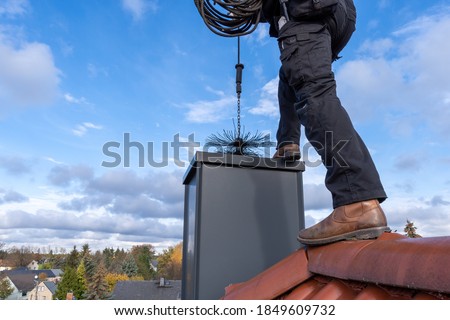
(28, 75)
(119, 207)
(13, 8)
(83, 128)
(138, 8)
(268, 101)
(50, 159)
(407, 72)
(383, 4)
(64, 229)
(71, 99)
(210, 111)
(14, 165)
(95, 71)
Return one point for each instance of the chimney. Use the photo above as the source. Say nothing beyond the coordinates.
(242, 215)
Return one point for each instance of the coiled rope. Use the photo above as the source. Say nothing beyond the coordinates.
(230, 18)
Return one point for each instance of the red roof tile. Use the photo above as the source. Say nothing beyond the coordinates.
(273, 282)
(391, 267)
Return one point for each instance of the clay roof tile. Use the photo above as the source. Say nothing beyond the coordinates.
(390, 267)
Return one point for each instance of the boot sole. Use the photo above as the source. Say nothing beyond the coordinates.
(364, 234)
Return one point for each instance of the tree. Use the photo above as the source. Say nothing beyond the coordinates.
(3, 253)
(69, 283)
(81, 276)
(72, 260)
(410, 230)
(170, 262)
(5, 289)
(143, 255)
(85, 250)
(129, 266)
(90, 267)
(117, 262)
(98, 288)
(113, 278)
(46, 266)
(20, 257)
(42, 276)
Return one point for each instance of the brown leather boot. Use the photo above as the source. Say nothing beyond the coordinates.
(288, 152)
(360, 220)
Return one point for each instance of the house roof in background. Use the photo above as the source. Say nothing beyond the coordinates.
(51, 286)
(390, 267)
(147, 290)
(50, 273)
(22, 281)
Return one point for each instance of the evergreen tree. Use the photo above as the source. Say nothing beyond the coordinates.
(3, 253)
(98, 288)
(119, 257)
(108, 258)
(81, 276)
(85, 250)
(410, 230)
(129, 266)
(143, 255)
(72, 259)
(69, 283)
(5, 289)
(89, 267)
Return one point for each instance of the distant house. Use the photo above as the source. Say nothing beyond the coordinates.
(44, 291)
(22, 284)
(4, 265)
(24, 281)
(147, 290)
(33, 265)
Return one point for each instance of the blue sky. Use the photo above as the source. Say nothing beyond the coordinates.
(75, 75)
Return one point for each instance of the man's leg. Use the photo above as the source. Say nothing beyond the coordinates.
(288, 133)
(306, 56)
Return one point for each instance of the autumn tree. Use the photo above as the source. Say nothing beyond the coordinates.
(20, 257)
(5, 289)
(113, 278)
(410, 230)
(42, 276)
(170, 262)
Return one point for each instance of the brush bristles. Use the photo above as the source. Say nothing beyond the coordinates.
(229, 141)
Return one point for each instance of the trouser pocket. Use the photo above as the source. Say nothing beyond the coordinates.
(305, 53)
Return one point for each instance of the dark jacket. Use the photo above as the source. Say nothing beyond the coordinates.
(298, 10)
(271, 14)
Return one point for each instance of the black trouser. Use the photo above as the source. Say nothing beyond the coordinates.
(307, 96)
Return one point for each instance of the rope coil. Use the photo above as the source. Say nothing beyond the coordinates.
(230, 18)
